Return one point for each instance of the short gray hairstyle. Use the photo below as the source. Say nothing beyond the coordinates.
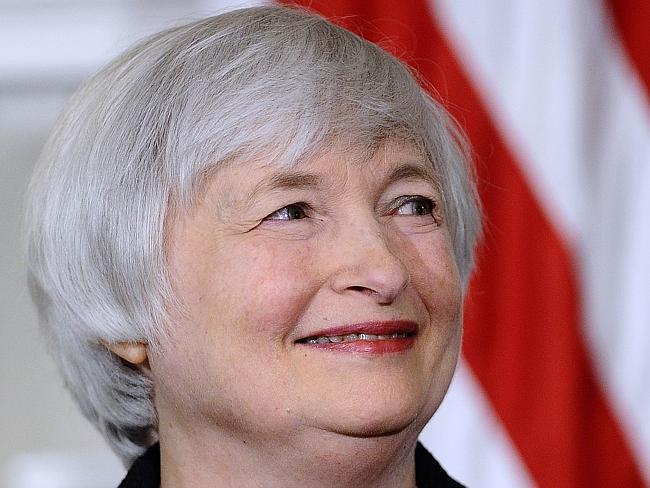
(141, 135)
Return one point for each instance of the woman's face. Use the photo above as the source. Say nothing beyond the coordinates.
(282, 270)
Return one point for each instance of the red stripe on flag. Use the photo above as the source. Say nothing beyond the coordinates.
(632, 19)
(523, 335)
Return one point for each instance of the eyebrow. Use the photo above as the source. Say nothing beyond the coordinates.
(413, 171)
(296, 179)
(292, 179)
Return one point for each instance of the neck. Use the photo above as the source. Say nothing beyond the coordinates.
(313, 458)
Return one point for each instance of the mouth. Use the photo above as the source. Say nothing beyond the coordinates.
(365, 338)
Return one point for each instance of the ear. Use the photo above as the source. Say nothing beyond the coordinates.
(132, 352)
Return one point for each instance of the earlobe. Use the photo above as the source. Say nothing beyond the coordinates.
(132, 352)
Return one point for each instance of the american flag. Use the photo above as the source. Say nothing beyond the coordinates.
(553, 388)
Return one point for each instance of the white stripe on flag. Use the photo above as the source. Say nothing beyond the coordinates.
(469, 441)
(520, 61)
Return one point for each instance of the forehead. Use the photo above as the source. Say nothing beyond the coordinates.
(373, 160)
(395, 157)
(241, 183)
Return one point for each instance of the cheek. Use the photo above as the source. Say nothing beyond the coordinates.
(264, 288)
(242, 300)
(435, 276)
(441, 292)
(436, 279)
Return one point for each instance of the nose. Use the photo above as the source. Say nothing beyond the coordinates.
(367, 265)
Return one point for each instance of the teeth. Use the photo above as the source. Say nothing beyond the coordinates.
(355, 337)
(368, 337)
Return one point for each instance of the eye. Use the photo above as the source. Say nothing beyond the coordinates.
(295, 211)
(415, 205)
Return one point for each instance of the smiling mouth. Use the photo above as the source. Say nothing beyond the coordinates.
(353, 337)
(369, 337)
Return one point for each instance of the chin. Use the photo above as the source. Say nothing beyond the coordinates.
(377, 427)
(377, 416)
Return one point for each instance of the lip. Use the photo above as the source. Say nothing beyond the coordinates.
(370, 347)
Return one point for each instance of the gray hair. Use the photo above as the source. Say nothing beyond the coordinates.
(141, 135)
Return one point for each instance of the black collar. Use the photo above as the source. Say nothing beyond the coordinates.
(145, 471)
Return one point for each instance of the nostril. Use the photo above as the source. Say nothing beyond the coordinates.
(362, 289)
(385, 297)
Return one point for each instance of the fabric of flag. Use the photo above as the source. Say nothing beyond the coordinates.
(553, 388)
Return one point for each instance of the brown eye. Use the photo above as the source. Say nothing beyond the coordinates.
(415, 205)
(295, 211)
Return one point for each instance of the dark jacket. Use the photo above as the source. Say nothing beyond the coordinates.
(145, 471)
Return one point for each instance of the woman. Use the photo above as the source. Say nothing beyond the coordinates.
(249, 239)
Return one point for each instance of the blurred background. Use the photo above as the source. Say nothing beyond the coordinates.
(553, 388)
